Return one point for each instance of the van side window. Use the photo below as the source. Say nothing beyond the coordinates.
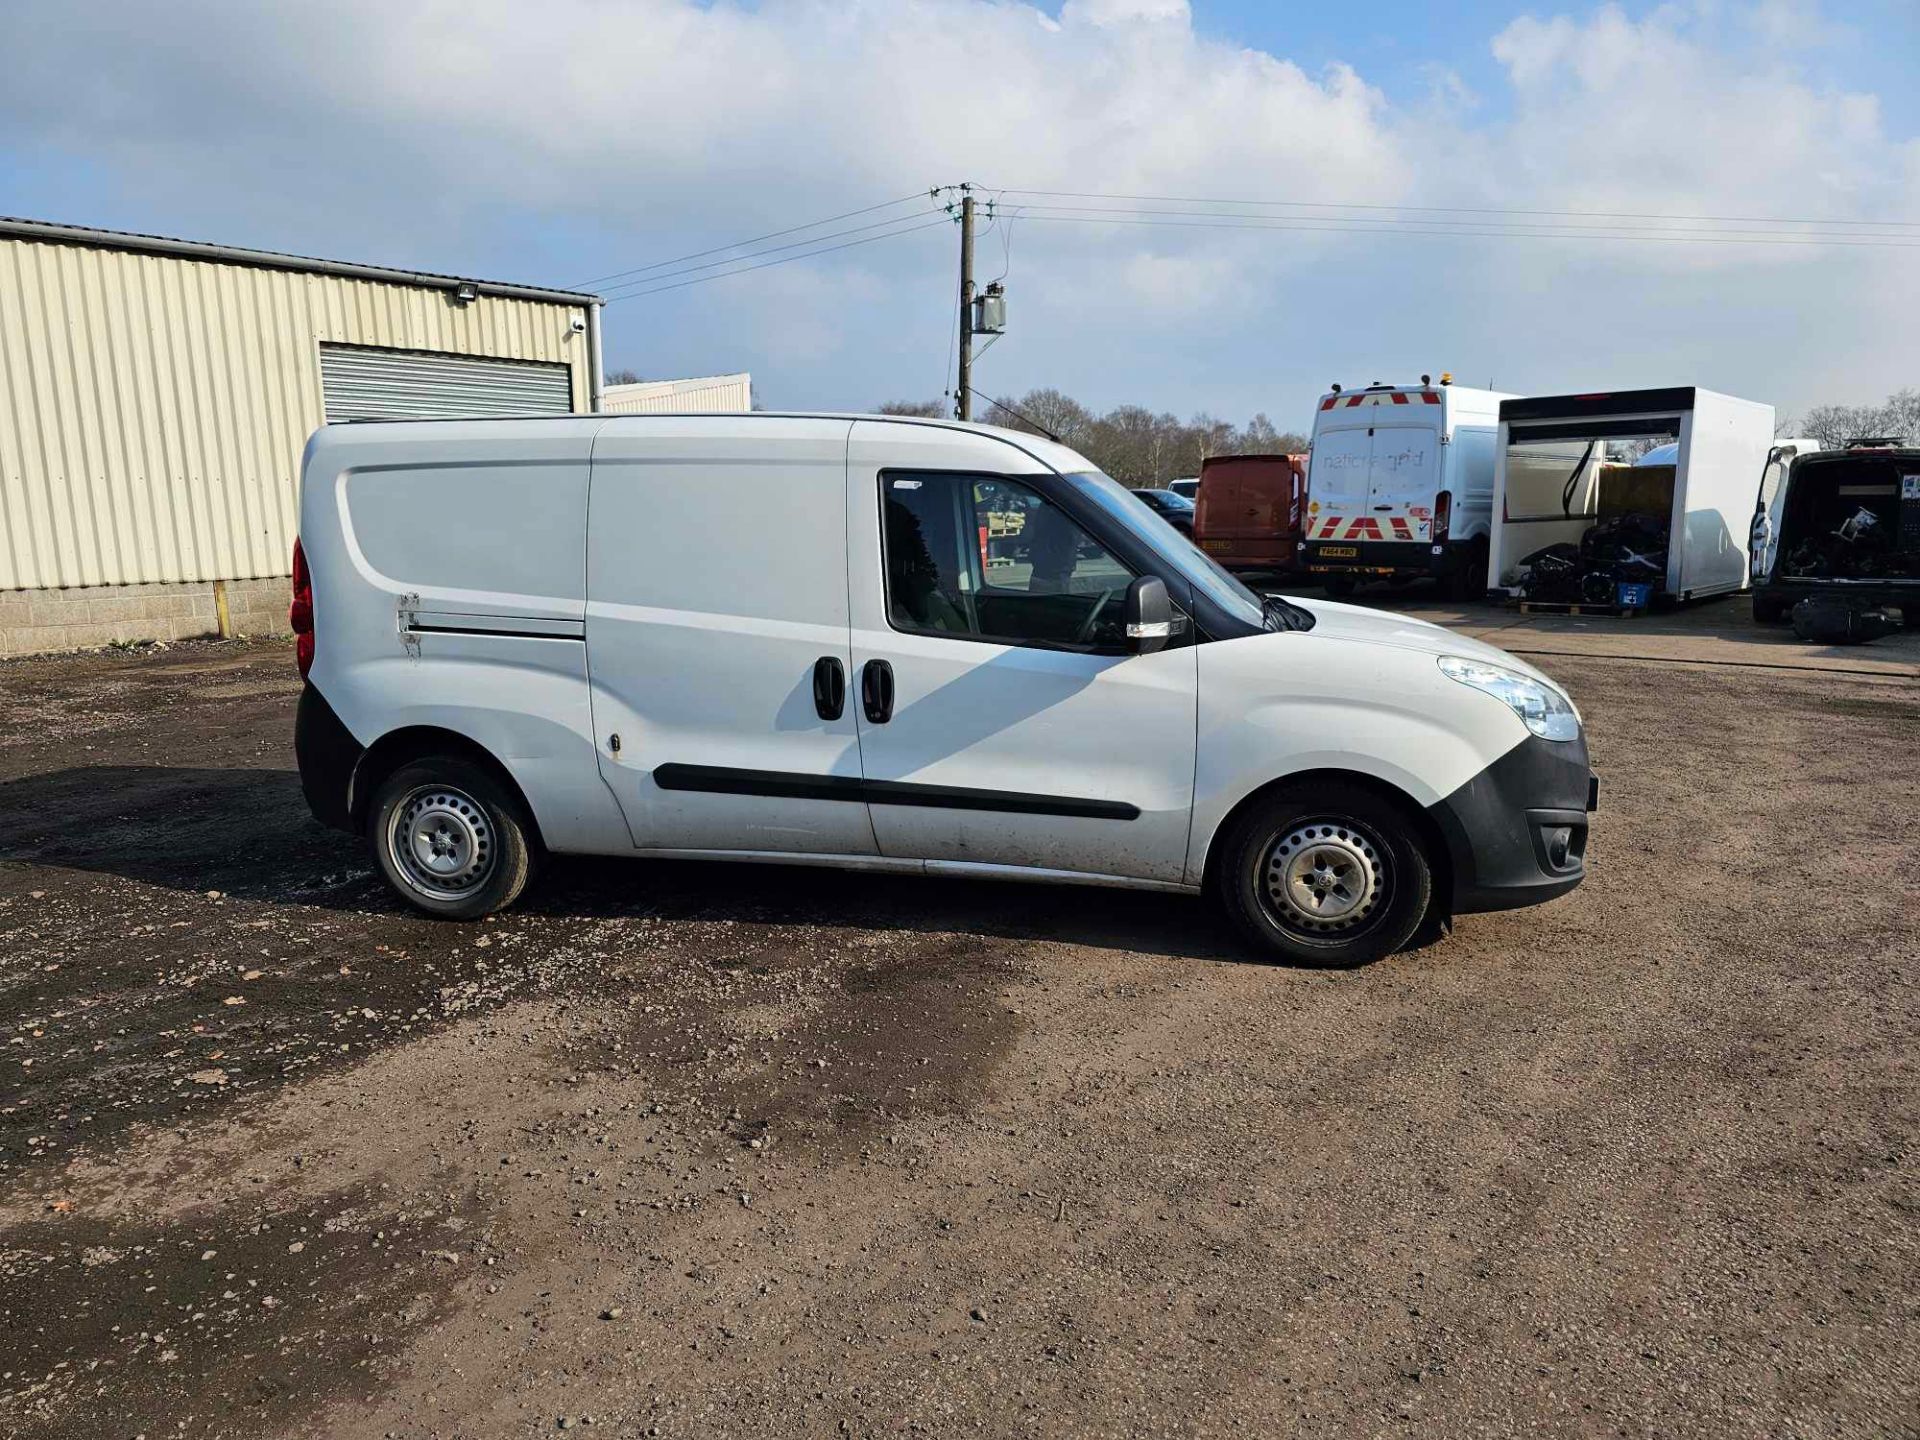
(984, 558)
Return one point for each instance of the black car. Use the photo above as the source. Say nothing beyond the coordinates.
(1176, 510)
(1842, 523)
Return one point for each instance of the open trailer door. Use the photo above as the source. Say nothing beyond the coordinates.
(1582, 519)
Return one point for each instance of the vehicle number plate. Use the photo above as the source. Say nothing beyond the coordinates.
(1215, 545)
(1339, 552)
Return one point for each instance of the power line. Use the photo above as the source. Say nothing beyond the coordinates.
(770, 250)
(770, 235)
(784, 260)
(1309, 225)
(1454, 209)
(1363, 223)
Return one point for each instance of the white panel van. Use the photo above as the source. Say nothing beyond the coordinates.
(1400, 486)
(887, 644)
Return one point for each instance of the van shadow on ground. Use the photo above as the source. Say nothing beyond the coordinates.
(248, 834)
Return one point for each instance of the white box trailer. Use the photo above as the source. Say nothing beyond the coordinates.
(1576, 519)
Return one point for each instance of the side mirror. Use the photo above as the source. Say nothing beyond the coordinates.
(1149, 615)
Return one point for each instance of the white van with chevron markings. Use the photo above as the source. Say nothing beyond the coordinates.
(1400, 484)
(888, 645)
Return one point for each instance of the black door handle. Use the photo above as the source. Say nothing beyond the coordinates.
(876, 691)
(829, 687)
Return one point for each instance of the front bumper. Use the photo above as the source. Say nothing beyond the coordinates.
(1517, 832)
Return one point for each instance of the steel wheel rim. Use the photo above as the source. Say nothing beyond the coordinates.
(441, 842)
(1325, 880)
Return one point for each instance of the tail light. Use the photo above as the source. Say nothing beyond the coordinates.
(300, 612)
(1442, 513)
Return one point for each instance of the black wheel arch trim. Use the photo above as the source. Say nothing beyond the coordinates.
(338, 774)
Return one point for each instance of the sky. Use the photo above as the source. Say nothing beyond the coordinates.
(1393, 189)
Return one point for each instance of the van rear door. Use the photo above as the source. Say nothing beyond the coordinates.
(1403, 475)
(716, 627)
(1337, 495)
(1245, 498)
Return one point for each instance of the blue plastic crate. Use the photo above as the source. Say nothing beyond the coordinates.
(1632, 595)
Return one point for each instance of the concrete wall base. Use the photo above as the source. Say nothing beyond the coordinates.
(34, 622)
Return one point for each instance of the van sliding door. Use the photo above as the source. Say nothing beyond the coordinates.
(716, 627)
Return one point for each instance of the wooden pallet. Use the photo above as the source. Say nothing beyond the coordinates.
(1617, 612)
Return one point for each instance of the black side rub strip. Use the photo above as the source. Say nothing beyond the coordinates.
(497, 632)
(725, 780)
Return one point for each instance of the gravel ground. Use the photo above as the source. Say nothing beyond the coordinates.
(703, 1150)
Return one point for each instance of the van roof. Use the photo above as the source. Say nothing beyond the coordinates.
(1464, 396)
(1049, 452)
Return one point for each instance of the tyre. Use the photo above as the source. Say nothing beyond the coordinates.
(451, 840)
(1768, 609)
(1469, 582)
(1340, 587)
(1330, 875)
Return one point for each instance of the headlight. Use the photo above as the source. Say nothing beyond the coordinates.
(1542, 709)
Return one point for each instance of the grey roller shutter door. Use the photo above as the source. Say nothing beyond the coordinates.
(362, 383)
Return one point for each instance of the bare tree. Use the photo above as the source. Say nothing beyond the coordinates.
(1834, 425)
(927, 409)
(1135, 445)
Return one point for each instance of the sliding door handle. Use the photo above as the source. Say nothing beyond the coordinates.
(876, 691)
(829, 687)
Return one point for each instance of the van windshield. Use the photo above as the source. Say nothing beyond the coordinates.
(1170, 545)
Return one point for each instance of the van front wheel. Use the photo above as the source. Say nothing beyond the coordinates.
(450, 839)
(1331, 876)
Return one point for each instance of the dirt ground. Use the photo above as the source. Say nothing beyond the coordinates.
(694, 1150)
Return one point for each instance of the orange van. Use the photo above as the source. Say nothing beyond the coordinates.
(1247, 516)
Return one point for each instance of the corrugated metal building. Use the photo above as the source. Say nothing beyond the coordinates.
(707, 395)
(156, 395)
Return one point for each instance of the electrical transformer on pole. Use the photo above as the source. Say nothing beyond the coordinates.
(982, 314)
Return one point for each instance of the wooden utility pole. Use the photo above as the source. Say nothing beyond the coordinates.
(963, 401)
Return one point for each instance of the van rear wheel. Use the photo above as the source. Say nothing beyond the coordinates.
(1329, 876)
(450, 839)
(1469, 582)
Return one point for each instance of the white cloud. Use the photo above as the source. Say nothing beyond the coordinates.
(1121, 12)
(492, 132)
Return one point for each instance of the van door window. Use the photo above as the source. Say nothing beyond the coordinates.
(984, 558)
(1771, 477)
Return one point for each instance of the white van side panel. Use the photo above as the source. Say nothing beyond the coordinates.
(717, 579)
(1470, 462)
(425, 619)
